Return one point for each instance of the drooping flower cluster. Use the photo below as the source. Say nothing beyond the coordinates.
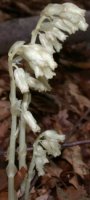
(47, 144)
(40, 62)
(56, 23)
(61, 20)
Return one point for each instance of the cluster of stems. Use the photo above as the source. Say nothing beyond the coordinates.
(55, 24)
(18, 130)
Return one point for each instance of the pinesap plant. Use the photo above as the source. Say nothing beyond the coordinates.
(56, 23)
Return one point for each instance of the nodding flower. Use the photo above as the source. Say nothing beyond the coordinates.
(38, 58)
(61, 20)
(30, 121)
(56, 9)
(40, 61)
(48, 143)
(20, 79)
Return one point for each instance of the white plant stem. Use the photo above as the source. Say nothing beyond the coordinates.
(31, 174)
(11, 157)
(31, 171)
(22, 149)
(35, 31)
(22, 141)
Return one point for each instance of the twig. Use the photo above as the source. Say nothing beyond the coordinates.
(71, 144)
(64, 145)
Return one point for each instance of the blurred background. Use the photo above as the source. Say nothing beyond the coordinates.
(23, 8)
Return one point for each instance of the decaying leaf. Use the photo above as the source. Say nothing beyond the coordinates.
(73, 181)
(74, 194)
(74, 157)
(82, 100)
(4, 109)
(53, 170)
(19, 177)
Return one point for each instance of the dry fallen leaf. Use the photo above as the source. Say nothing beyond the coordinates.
(4, 109)
(74, 181)
(74, 157)
(74, 194)
(82, 100)
(53, 170)
(19, 177)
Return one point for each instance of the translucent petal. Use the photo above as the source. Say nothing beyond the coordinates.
(71, 26)
(83, 25)
(39, 60)
(61, 25)
(52, 147)
(70, 7)
(40, 162)
(52, 9)
(48, 73)
(39, 151)
(20, 80)
(40, 159)
(59, 34)
(72, 17)
(55, 148)
(36, 84)
(56, 44)
(48, 59)
(46, 43)
(50, 28)
(37, 70)
(45, 82)
(30, 120)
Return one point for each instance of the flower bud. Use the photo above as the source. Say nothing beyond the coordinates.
(39, 60)
(20, 80)
(37, 84)
(46, 43)
(31, 121)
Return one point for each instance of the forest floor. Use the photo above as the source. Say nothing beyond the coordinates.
(66, 109)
